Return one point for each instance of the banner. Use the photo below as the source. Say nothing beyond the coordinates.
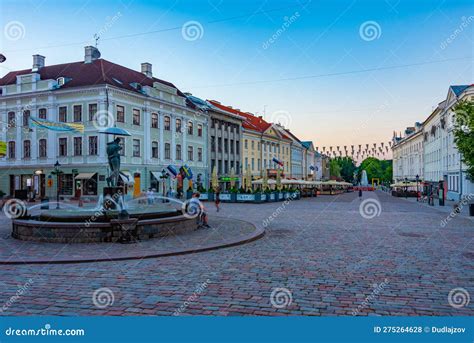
(57, 126)
(3, 149)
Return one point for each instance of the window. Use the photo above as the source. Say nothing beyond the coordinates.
(246, 162)
(200, 154)
(253, 163)
(62, 147)
(237, 147)
(11, 119)
(168, 151)
(26, 149)
(62, 117)
(190, 128)
(122, 145)
(231, 146)
(11, 150)
(199, 130)
(154, 149)
(253, 145)
(65, 184)
(136, 117)
(219, 144)
(42, 148)
(167, 123)
(178, 151)
(136, 148)
(93, 145)
(178, 125)
(92, 112)
(190, 153)
(77, 113)
(120, 114)
(42, 113)
(154, 120)
(226, 145)
(246, 144)
(26, 118)
(213, 143)
(77, 146)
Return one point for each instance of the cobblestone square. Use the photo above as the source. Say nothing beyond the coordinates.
(325, 256)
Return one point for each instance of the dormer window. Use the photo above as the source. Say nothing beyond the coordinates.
(137, 86)
(61, 81)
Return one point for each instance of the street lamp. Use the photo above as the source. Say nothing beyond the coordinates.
(57, 172)
(406, 188)
(417, 177)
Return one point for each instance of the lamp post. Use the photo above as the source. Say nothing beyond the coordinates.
(57, 172)
(406, 188)
(417, 177)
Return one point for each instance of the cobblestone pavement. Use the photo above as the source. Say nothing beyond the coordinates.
(320, 256)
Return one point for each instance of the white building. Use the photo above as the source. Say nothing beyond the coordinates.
(438, 161)
(408, 154)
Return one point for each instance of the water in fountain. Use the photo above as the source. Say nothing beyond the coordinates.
(363, 179)
(100, 204)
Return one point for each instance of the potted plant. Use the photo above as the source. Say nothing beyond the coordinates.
(233, 194)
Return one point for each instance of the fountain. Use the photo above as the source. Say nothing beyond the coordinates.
(112, 219)
(363, 179)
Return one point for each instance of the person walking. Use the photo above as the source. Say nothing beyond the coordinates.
(217, 199)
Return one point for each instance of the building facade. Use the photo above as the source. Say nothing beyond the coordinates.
(97, 94)
(439, 161)
(408, 154)
(225, 139)
(297, 158)
(261, 143)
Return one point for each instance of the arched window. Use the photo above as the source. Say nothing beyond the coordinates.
(11, 119)
(26, 118)
(178, 151)
(168, 151)
(190, 128)
(42, 113)
(167, 123)
(154, 120)
(42, 148)
(178, 125)
(11, 149)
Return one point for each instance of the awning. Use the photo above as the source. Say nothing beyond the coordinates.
(84, 176)
(130, 180)
(156, 175)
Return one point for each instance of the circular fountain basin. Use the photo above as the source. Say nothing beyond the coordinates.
(95, 225)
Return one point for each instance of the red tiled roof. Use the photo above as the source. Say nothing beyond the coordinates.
(251, 122)
(98, 72)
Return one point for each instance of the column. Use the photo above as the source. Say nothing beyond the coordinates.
(147, 135)
(184, 148)
(173, 138)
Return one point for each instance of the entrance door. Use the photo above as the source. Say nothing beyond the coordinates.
(42, 186)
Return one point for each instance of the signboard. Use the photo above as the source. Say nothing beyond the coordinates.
(224, 196)
(50, 182)
(228, 178)
(245, 197)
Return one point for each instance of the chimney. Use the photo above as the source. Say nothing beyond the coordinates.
(91, 53)
(38, 62)
(146, 69)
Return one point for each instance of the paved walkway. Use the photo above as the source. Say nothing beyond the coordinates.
(320, 256)
(223, 232)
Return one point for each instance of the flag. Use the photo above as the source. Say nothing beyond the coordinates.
(172, 170)
(57, 126)
(277, 161)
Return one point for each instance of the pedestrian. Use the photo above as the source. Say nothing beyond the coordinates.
(360, 192)
(195, 206)
(217, 199)
(149, 196)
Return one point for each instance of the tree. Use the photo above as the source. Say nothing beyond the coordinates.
(377, 169)
(347, 168)
(334, 168)
(464, 134)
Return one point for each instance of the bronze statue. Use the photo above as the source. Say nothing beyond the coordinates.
(113, 153)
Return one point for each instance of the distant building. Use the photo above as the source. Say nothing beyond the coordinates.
(408, 154)
(225, 139)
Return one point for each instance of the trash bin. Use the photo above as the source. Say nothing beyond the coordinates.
(45, 204)
(471, 210)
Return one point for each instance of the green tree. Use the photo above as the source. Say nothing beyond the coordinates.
(376, 168)
(464, 133)
(334, 168)
(347, 167)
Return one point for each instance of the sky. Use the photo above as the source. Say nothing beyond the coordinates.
(334, 72)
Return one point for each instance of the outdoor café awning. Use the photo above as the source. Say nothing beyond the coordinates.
(403, 184)
(130, 180)
(260, 182)
(156, 175)
(84, 176)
